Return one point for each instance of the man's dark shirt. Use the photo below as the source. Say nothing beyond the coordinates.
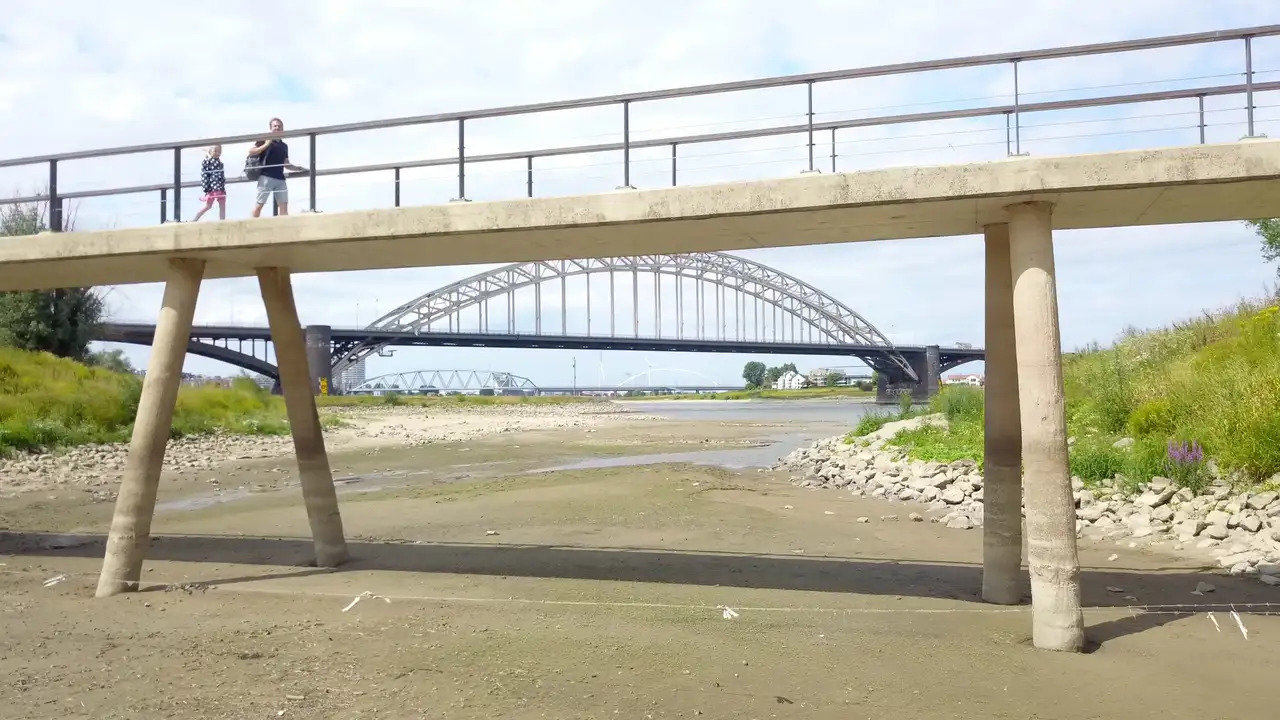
(273, 159)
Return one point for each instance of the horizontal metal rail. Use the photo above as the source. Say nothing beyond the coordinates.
(777, 130)
(689, 91)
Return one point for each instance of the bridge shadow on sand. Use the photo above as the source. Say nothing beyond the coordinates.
(861, 576)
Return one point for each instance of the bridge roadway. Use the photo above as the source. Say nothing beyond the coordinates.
(1015, 203)
(930, 361)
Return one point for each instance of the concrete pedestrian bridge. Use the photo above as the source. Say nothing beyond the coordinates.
(1015, 203)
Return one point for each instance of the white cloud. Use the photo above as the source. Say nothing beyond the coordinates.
(138, 72)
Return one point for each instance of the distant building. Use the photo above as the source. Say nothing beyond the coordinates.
(352, 376)
(790, 380)
(820, 376)
(972, 380)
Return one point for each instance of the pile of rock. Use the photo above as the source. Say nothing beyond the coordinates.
(95, 466)
(1240, 528)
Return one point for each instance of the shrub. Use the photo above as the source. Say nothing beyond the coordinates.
(960, 402)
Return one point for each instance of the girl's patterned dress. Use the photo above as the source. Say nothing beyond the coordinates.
(213, 180)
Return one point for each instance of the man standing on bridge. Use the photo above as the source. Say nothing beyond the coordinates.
(274, 154)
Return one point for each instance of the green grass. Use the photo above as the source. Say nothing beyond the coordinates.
(1213, 380)
(805, 394)
(48, 402)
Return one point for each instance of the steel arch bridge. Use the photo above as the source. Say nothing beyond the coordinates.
(427, 381)
(768, 301)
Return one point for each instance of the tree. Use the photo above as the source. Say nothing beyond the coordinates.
(116, 361)
(834, 377)
(774, 373)
(754, 372)
(1269, 231)
(63, 321)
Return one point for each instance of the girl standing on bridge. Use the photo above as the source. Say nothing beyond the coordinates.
(213, 181)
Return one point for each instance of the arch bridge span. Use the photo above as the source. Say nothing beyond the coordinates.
(710, 296)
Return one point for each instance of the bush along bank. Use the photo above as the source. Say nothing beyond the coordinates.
(1240, 528)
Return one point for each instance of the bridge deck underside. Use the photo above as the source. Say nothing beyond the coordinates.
(1201, 183)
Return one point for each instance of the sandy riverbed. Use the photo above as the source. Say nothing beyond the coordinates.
(500, 591)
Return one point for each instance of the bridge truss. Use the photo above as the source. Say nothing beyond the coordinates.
(708, 295)
(445, 381)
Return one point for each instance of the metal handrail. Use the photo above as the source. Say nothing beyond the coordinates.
(874, 121)
(807, 79)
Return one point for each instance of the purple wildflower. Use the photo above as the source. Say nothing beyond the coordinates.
(1185, 453)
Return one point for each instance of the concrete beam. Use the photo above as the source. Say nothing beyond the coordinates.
(1002, 471)
(1201, 183)
(130, 533)
(1057, 621)
(318, 492)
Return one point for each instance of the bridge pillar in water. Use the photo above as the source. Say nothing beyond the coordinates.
(1057, 622)
(927, 366)
(319, 340)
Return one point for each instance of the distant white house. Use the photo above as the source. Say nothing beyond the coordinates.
(790, 380)
(972, 380)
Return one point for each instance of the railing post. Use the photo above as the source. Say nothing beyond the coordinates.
(55, 203)
(177, 184)
(833, 150)
(1008, 134)
(1200, 99)
(397, 187)
(529, 173)
(1017, 113)
(311, 181)
(626, 146)
(164, 206)
(1248, 82)
(462, 161)
(809, 86)
(673, 164)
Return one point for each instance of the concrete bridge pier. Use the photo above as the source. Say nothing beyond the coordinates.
(130, 533)
(927, 367)
(314, 473)
(319, 340)
(1002, 471)
(1052, 557)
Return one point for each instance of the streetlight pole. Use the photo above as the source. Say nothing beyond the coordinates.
(575, 375)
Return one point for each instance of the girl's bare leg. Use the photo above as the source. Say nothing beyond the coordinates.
(222, 208)
(203, 210)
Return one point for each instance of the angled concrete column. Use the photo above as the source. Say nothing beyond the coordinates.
(1057, 623)
(304, 423)
(1002, 489)
(130, 534)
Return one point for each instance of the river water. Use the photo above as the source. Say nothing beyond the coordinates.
(805, 421)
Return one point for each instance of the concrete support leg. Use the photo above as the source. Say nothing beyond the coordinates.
(308, 441)
(1002, 501)
(1057, 622)
(130, 533)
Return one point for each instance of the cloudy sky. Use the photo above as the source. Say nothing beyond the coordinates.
(82, 74)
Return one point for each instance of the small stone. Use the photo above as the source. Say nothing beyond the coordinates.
(863, 519)
(1262, 500)
(1123, 443)
(960, 522)
(1271, 580)
(1202, 588)
(1113, 557)
(888, 518)
(1217, 532)
(916, 517)
(953, 496)
(1251, 523)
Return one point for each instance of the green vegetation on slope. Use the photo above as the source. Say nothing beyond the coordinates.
(1204, 388)
(48, 402)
